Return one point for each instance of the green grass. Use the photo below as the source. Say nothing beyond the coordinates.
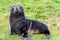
(45, 11)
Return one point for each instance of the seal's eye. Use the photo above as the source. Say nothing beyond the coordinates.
(20, 7)
(12, 8)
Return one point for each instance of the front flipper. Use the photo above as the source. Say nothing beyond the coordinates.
(25, 36)
(29, 38)
(11, 32)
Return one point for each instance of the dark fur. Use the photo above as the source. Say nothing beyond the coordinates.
(20, 25)
(17, 21)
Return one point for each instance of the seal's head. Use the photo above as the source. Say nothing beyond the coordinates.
(17, 10)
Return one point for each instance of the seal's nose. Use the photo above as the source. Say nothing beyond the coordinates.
(17, 9)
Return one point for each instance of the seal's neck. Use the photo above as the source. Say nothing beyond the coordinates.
(17, 15)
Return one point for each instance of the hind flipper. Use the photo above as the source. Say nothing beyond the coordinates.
(48, 36)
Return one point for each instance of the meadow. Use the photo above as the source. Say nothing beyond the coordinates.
(45, 11)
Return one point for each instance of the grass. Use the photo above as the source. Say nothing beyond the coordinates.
(45, 11)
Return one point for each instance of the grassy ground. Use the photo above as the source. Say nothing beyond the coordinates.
(46, 11)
